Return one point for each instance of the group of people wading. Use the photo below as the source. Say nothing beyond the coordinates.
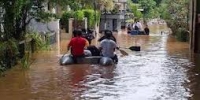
(107, 46)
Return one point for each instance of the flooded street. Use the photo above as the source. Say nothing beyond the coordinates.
(163, 70)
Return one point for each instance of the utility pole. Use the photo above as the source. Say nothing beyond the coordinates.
(105, 20)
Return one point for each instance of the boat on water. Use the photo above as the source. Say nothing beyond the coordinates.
(135, 32)
(67, 59)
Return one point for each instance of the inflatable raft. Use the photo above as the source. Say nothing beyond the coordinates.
(67, 59)
(135, 32)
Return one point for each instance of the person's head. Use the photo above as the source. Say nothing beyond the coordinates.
(77, 33)
(83, 30)
(108, 33)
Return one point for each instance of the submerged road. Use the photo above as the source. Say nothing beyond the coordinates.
(163, 70)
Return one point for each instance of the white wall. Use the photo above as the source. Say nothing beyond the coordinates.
(43, 27)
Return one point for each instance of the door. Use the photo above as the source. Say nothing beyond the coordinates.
(114, 24)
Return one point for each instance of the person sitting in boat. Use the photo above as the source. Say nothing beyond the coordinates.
(108, 46)
(88, 34)
(137, 26)
(77, 45)
(104, 37)
(75, 35)
(94, 50)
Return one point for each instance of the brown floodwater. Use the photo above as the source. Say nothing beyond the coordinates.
(164, 69)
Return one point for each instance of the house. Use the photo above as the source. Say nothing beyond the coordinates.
(114, 20)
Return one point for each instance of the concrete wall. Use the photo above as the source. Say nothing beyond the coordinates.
(45, 27)
(110, 25)
(53, 28)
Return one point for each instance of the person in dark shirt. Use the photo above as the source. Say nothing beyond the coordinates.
(146, 30)
(107, 32)
(88, 34)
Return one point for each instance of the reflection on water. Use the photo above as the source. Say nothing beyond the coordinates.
(163, 70)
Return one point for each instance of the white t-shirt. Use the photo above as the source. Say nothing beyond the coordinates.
(138, 24)
(108, 47)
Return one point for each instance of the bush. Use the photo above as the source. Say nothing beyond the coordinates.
(90, 17)
(182, 35)
(8, 54)
(79, 15)
(65, 19)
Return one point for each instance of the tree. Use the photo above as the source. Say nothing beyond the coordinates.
(18, 14)
(147, 5)
(15, 15)
(134, 9)
(158, 2)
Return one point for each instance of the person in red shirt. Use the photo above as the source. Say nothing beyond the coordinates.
(77, 45)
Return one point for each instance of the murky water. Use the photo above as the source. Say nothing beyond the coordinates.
(163, 70)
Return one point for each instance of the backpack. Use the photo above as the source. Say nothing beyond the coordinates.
(94, 50)
(90, 36)
(136, 27)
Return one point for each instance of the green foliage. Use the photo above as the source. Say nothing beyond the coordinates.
(138, 14)
(147, 5)
(10, 45)
(45, 17)
(15, 17)
(164, 12)
(18, 14)
(134, 9)
(153, 13)
(41, 42)
(98, 16)
(91, 4)
(8, 53)
(66, 15)
(65, 18)
(176, 15)
(90, 15)
(176, 11)
(182, 35)
(115, 9)
(2, 69)
(79, 15)
(75, 6)
(25, 61)
(158, 2)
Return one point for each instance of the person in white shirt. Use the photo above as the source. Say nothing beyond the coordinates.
(137, 26)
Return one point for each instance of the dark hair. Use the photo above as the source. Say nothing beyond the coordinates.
(108, 33)
(77, 32)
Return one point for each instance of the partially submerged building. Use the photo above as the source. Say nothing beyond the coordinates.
(114, 20)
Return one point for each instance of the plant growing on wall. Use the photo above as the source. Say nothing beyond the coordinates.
(65, 19)
(89, 14)
(79, 15)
